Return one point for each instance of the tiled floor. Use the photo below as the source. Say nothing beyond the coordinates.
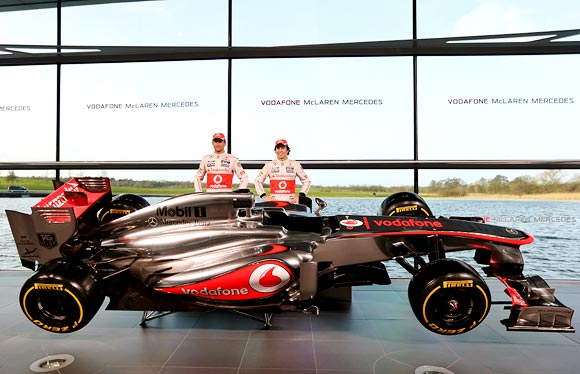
(377, 333)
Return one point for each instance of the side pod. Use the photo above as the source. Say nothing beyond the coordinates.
(534, 306)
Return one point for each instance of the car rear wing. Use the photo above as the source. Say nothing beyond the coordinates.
(56, 218)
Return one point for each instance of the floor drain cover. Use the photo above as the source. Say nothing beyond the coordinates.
(51, 363)
(427, 369)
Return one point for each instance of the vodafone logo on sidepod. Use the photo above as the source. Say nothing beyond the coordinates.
(269, 278)
(255, 281)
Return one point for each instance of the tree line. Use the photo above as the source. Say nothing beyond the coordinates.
(550, 181)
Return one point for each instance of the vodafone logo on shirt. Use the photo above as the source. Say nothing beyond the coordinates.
(281, 187)
(219, 181)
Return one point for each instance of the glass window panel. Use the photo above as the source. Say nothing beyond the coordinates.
(375, 180)
(271, 23)
(327, 109)
(142, 111)
(510, 107)
(28, 113)
(470, 18)
(147, 23)
(28, 26)
(141, 178)
(518, 181)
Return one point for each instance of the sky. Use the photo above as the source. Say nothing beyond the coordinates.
(510, 107)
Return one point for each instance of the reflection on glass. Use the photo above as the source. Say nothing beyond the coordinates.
(142, 111)
(327, 109)
(147, 23)
(26, 24)
(509, 107)
(276, 23)
(28, 113)
(472, 18)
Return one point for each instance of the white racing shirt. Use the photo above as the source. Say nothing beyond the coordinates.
(282, 176)
(220, 169)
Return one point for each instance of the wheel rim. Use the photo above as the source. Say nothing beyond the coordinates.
(53, 305)
(453, 306)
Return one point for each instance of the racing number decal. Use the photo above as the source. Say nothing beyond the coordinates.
(51, 287)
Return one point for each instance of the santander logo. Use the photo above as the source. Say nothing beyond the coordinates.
(269, 278)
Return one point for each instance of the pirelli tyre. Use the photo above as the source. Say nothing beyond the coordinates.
(405, 204)
(62, 296)
(120, 206)
(449, 297)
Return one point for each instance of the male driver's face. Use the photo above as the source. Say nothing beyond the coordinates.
(218, 145)
(281, 152)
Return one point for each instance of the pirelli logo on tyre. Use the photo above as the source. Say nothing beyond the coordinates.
(409, 208)
(48, 286)
(458, 284)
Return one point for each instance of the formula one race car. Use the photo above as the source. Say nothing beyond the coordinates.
(225, 250)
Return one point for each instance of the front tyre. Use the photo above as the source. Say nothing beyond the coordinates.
(62, 296)
(449, 297)
(405, 204)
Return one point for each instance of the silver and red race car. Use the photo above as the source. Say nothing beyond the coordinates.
(225, 250)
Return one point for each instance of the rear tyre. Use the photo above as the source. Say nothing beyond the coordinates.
(62, 296)
(449, 297)
(405, 204)
(120, 206)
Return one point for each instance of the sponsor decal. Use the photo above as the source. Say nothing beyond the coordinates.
(174, 211)
(273, 248)
(282, 187)
(195, 222)
(120, 211)
(219, 180)
(350, 223)
(47, 240)
(48, 286)
(269, 278)
(407, 222)
(255, 281)
(410, 208)
(458, 284)
(512, 231)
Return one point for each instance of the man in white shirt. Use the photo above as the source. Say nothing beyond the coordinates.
(220, 168)
(282, 173)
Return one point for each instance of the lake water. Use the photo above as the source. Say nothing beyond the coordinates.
(555, 225)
